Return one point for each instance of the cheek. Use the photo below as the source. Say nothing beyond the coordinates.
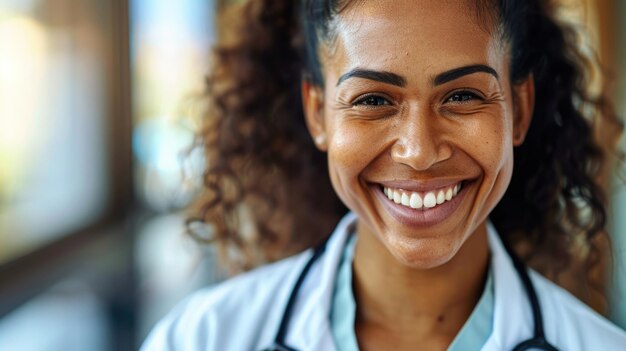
(488, 141)
(351, 148)
(492, 151)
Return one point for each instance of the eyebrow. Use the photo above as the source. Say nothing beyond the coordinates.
(457, 73)
(379, 76)
(397, 80)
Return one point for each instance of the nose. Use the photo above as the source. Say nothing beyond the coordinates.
(421, 141)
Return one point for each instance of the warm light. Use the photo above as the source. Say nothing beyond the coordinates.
(52, 112)
(22, 69)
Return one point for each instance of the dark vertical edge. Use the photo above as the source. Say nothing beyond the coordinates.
(617, 195)
(122, 294)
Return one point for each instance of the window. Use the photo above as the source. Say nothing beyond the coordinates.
(55, 101)
(65, 173)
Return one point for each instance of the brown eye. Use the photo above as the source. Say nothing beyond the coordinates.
(462, 97)
(372, 100)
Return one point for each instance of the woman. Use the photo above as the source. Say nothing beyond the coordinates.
(448, 128)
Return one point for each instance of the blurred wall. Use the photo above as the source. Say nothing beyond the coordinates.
(618, 188)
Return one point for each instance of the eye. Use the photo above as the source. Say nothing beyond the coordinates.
(372, 100)
(461, 97)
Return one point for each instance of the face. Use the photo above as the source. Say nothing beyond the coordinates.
(418, 119)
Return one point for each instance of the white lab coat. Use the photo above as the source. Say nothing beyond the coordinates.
(244, 312)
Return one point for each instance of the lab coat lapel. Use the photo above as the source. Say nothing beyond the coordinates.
(512, 321)
(310, 326)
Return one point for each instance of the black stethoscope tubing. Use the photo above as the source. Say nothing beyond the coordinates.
(537, 342)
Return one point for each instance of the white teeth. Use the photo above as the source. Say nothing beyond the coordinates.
(416, 201)
(405, 199)
(441, 197)
(430, 200)
(396, 196)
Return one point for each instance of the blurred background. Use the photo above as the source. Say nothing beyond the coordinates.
(96, 124)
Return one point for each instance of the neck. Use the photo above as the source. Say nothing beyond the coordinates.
(394, 298)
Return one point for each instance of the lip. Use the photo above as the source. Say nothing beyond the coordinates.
(423, 217)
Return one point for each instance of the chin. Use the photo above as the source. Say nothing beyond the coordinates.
(423, 253)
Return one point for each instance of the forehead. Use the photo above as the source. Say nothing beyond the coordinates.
(412, 37)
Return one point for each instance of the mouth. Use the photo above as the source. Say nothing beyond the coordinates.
(424, 205)
(424, 199)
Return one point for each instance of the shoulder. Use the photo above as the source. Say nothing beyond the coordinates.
(572, 324)
(236, 314)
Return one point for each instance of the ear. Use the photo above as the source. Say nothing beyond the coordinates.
(524, 100)
(313, 106)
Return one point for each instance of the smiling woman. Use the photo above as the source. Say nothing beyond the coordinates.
(450, 132)
(449, 122)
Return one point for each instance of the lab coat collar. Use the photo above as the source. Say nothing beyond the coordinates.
(513, 318)
(311, 329)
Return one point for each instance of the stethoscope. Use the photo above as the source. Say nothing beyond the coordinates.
(537, 342)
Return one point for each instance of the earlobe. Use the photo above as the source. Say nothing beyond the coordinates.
(524, 106)
(320, 139)
(313, 107)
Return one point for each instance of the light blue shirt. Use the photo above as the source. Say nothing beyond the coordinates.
(472, 336)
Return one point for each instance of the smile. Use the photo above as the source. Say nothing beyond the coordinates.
(427, 199)
(421, 204)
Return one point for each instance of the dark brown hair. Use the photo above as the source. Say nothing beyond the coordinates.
(268, 192)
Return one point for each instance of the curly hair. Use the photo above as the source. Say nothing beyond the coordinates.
(267, 191)
(267, 188)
